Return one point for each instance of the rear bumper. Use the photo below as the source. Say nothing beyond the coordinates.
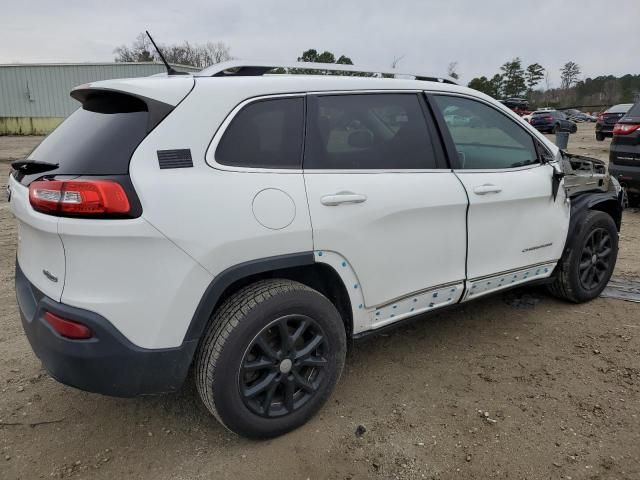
(605, 129)
(628, 176)
(108, 363)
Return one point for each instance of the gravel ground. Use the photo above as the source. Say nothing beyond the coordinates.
(518, 386)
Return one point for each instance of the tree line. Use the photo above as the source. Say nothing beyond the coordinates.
(514, 80)
(185, 53)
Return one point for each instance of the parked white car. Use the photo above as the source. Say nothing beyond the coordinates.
(527, 117)
(247, 226)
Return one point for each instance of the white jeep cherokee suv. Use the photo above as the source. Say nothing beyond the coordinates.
(246, 225)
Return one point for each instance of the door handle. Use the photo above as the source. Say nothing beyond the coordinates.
(342, 197)
(486, 188)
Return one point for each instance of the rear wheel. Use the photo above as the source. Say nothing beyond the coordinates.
(271, 358)
(589, 260)
(574, 128)
(599, 137)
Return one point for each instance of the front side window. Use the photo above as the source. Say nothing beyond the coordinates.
(265, 134)
(368, 131)
(484, 137)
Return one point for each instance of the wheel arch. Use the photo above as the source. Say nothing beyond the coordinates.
(607, 202)
(300, 267)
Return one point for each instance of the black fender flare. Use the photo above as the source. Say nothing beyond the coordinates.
(231, 275)
(586, 201)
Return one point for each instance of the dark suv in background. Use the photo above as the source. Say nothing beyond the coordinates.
(553, 121)
(624, 155)
(608, 118)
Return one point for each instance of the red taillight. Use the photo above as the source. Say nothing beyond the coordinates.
(625, 128)
(67, 328)
(78, 197)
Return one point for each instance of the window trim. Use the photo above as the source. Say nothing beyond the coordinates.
(210, 154)
(442, 166)
(449, 144)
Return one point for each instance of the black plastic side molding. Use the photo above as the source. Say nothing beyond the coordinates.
(609, 202)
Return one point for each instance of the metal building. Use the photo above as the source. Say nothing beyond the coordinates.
(34, 98)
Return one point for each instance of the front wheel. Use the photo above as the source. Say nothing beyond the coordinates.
(599, 137)
(589, 259)
(272, 355)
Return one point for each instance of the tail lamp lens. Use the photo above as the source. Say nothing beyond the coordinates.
(67, 328)
(78, 197)
(625, 128)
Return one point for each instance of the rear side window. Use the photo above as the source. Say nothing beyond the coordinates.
(97, 139)
(368, 131)
(265, 134)
(484, 137)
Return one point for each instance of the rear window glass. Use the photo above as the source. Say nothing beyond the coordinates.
(368, 131)
(634, 111)
(622, 108)
(265, 134)
(99, 141)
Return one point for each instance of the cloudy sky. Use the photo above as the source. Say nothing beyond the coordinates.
(602, 36)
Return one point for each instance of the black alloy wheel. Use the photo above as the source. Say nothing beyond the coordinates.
(595, 259)
(272, 354)
(589, 258)
(284, 366)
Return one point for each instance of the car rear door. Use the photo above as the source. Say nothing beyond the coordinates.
(516, 228)
(382, 199)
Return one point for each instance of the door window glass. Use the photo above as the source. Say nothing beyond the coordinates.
(368, 131)
(484, 137)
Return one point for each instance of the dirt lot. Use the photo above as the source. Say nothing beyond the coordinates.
(560, 385)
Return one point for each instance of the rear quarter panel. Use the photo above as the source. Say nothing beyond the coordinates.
(208, 212)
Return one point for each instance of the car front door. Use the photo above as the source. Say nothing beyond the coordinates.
(383, 204)
(516, 228)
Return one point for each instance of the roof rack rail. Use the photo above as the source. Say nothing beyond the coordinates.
(243, 68)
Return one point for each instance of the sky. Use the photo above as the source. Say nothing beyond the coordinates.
(428, 34)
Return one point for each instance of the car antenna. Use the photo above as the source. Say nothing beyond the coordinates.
(170, 69)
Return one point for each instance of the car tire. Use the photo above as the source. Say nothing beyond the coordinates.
(599, 137)
(271, 357)
(574, 128)
(589, 259)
